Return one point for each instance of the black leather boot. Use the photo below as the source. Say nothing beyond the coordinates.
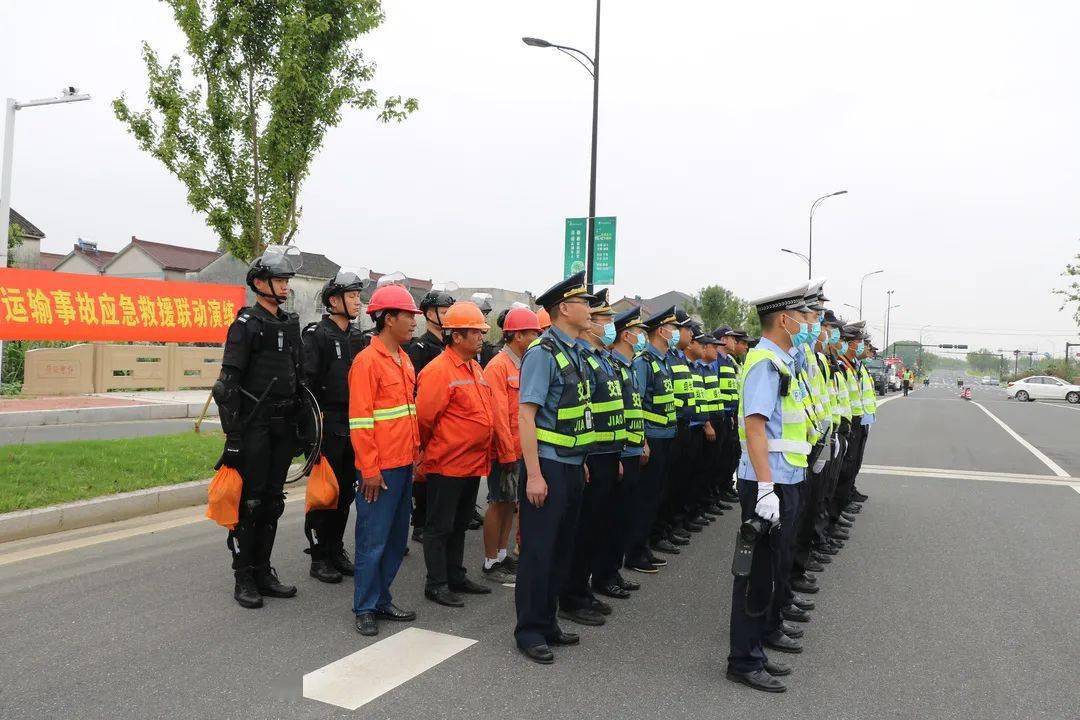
(341, 561)
(266, 580)
(246, 592)
(321, 567)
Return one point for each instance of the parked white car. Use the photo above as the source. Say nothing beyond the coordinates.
(988, 380)
(1043, 387)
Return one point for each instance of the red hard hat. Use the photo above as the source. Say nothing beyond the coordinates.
(392, 297)
(521, 318)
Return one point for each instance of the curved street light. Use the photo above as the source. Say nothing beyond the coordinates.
(810, 254)
(861, 282)
(593, 68)
(805, 259)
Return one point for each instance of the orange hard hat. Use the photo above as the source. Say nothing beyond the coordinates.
(521, 318)
(544, 319)
(464, 315)
(392, 297)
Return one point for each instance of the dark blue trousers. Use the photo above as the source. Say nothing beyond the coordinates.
(547, 540)
(593, 531)
(649, 495)
(623, 498)
(748, 629)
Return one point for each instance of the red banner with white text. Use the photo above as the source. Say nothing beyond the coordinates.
(46, 305)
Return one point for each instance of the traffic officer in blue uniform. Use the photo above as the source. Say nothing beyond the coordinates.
(673, 526)
(772, 424)
(733, 347)
(556, 431)
(653, 374)
(630, 339)
(576, 600)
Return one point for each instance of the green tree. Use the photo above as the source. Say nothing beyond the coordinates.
(984, 361)
(719, 306)
(271, 78)
(14, 240)
(1071, 293)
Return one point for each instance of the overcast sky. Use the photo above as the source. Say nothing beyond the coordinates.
(954, 127)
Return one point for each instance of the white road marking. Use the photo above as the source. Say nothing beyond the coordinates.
(363, 676)
(1054, 467)
(945, 474)
(884, 400)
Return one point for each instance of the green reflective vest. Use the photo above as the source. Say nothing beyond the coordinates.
(658, 405)
(572, 434)
(635, 416)
(794, 439)
(609, 423)
(869, 396)
(682, 380)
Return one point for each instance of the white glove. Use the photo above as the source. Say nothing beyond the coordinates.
(768, 503)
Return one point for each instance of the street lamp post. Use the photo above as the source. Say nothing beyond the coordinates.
(67, 95)
(805, 259)
(810, 253)
(593, 69)
(861, 282)
(889, 307)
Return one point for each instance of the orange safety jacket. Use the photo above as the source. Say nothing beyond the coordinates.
(456, 415)
(503, 374)
(382, 416)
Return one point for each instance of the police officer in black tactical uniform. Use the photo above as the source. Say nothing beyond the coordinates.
(329, 348)
(257, 399)
(421, 351)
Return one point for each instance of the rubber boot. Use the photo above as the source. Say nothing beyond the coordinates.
(246, 592)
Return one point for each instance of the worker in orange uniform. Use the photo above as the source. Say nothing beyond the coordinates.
(455, 411)
(520, 327)
(385, 439)
(544, 318)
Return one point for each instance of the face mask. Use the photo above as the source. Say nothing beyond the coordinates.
(843, 348)
(815, 331)
(641, 343)
(834, 336)
(859, 348)
(801, 335)
(608, 337)
(673, 341)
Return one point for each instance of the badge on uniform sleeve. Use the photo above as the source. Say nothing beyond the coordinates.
(796, 394)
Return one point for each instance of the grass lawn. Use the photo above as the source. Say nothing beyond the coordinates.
(49, 473)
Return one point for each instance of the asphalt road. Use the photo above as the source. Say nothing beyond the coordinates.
(956, 598)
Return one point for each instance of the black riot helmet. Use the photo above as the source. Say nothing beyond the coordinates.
(277, 261)
(439, 296)
(346, 280)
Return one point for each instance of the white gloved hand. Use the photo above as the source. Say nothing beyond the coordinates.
(768, 502)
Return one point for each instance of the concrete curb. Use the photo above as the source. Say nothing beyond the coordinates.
(73, 416)
(23, 524)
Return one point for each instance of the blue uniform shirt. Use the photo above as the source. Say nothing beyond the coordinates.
(761, 396)
(542, 385)
(618, 359)
(641, 379)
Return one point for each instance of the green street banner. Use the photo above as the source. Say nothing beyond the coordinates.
(604, 251)
(574, 249)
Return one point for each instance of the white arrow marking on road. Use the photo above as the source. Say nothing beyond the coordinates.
(1054, 467)
(363, 676)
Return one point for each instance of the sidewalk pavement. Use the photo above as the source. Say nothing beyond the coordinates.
(104, 407)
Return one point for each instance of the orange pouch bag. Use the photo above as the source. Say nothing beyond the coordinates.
(223, 495)
(322, 487)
